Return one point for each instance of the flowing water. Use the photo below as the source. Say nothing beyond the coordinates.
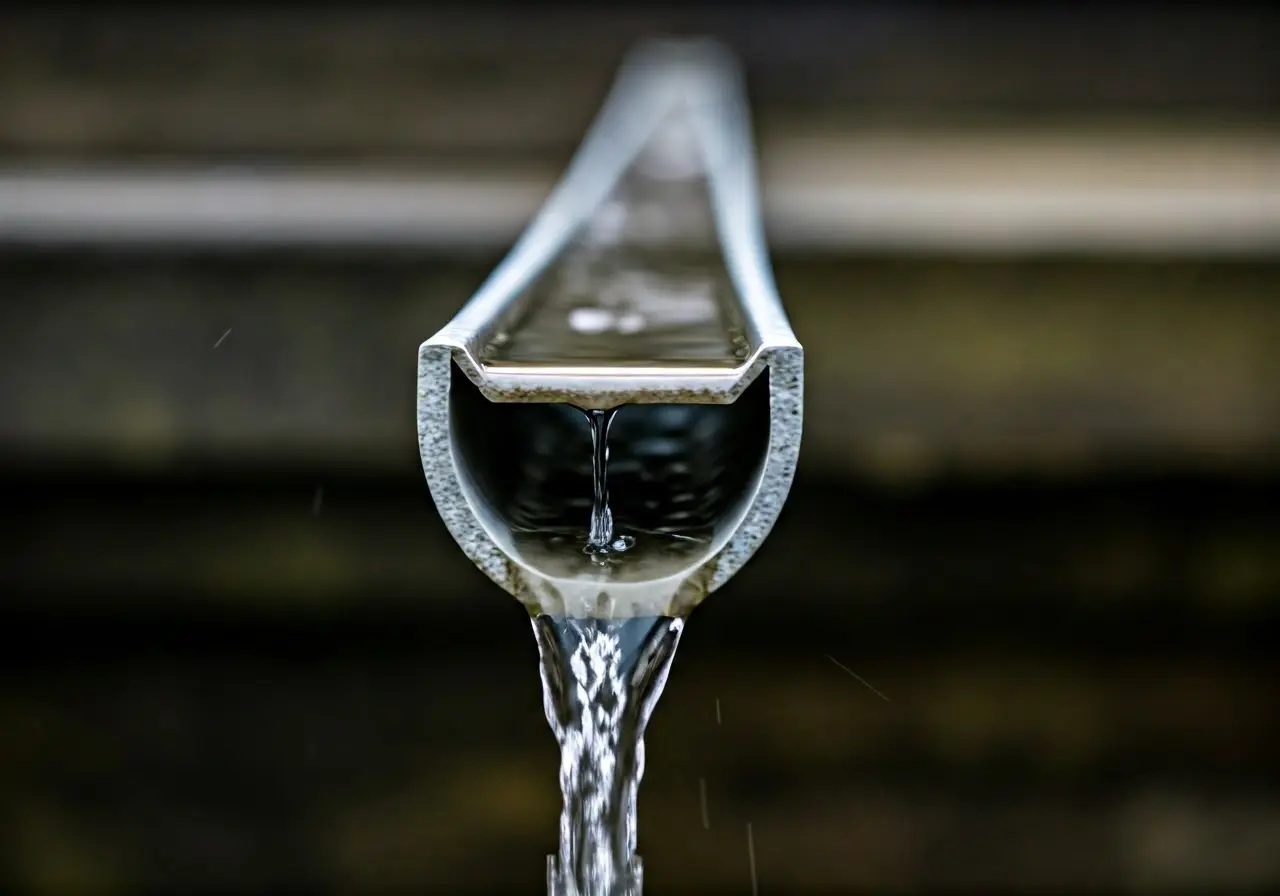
(601, 679)
(600, 540)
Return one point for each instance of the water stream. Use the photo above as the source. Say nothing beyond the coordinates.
(601, 679)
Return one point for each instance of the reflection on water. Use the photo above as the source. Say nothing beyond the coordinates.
(640, 285)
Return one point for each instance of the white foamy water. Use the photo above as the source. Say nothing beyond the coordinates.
(601, 680)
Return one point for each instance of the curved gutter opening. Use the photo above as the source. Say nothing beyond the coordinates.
(687, 471)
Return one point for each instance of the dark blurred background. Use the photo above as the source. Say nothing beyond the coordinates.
(1033, 256)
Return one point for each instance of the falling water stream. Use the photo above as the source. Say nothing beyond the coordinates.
(601, 679)
(600, 540)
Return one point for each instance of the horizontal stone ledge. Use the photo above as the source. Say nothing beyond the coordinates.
(406, 774)
(1054, 560)
(925, 192)
(913, 367)
(1057, 726)
(871, 840)
(412, 82)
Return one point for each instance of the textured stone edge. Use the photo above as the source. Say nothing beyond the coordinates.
(786, 424)
(435, 446)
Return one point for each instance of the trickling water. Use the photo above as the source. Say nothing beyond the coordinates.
(601, 533)
(601, 679)
(600, 537)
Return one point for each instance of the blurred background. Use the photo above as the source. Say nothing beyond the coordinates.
(1034, 256)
